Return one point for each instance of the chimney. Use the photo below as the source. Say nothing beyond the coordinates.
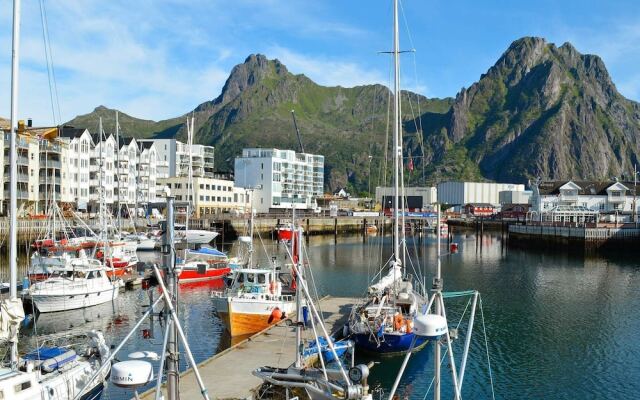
(29, 123)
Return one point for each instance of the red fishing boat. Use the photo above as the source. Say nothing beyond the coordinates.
(203, 265)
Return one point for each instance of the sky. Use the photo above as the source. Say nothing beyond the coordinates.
(159, 59)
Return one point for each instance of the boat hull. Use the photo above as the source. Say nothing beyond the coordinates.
(247, 316)
(390, 343)
(63, 302)
(187, 276)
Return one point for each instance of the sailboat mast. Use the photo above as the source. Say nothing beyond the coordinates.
(103, 225)
(118, 171)
(437, 286)
(397, 149)
(190, 178)
(13, 185)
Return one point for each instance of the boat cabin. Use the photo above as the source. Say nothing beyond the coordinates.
(17, 385)
(260, 280)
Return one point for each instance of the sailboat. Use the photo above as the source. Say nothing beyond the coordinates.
(319, 370)
(383, 323)
(52, 372)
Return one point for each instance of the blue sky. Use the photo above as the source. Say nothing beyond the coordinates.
(159, 59)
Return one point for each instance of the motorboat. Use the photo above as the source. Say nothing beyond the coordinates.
(193, 236)
(202, 265)
(85, 285)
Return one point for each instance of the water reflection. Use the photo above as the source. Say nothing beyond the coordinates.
(560, 325)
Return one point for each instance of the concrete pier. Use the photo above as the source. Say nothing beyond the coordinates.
(227, 375)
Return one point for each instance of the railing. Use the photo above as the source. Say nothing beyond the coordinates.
(589, 234)
(50, 163)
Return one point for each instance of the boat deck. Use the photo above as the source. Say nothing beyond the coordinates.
(227, 375)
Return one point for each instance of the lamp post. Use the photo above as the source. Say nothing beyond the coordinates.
(635, 182)
(369, 179)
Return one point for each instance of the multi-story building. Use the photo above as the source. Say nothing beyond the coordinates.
(280, 178)
(102, 171)
(173, 158)
(147, 172)
(79, 145)
(209, 195)
(551, 200)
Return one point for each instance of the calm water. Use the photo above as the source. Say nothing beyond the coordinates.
(559, 326)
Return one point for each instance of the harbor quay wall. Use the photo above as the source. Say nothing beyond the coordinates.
(573, 237)
(231, 227)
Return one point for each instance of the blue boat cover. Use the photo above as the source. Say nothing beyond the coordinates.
(51, 358)
(209, 252)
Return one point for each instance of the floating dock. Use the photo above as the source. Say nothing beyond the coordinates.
(227, 375)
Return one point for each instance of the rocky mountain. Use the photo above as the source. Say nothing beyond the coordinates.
(541, 110)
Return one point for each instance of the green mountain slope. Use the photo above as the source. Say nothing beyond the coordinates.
(541, 110)
(130, 126)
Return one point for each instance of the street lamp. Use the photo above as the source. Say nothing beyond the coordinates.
(369, 179)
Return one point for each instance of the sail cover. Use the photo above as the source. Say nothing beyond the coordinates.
(11, 315)
(394, 274)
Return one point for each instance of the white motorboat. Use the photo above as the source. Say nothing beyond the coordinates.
(144, 242)
(194, 236)
(85, 285)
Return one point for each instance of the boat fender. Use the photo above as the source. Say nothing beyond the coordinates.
(398, 321)
(276, 315)
(305, 314)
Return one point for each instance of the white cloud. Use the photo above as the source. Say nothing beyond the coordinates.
(156, 60)
(327, 71)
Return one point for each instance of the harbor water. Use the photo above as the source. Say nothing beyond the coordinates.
(557, 325)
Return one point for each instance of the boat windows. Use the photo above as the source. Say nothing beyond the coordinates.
(240, 278)
(90, 275)
(250, 278)
(262, 278)
(22, 386)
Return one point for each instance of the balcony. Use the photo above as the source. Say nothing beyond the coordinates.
(22, 177)
(49, 163)
(22, 160)
(49, 180)
(21, 195)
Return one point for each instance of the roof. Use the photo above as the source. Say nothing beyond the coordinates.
(71, 132)
(145, 145)
(480, 205)
(594, 188)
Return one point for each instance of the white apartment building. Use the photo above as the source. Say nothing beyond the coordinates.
(79, 145)
(462, 193)
(147, 172)
(280, 178)
(173, 158)
(74, 167)
(209, 196)
(608, 197)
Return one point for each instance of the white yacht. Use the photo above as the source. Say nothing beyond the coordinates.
(85, 285)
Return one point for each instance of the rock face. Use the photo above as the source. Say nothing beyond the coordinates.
(541, 110)
(545, 111)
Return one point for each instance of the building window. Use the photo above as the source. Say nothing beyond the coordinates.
(202, 186)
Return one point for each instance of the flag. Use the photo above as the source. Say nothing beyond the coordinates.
(410, 166)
